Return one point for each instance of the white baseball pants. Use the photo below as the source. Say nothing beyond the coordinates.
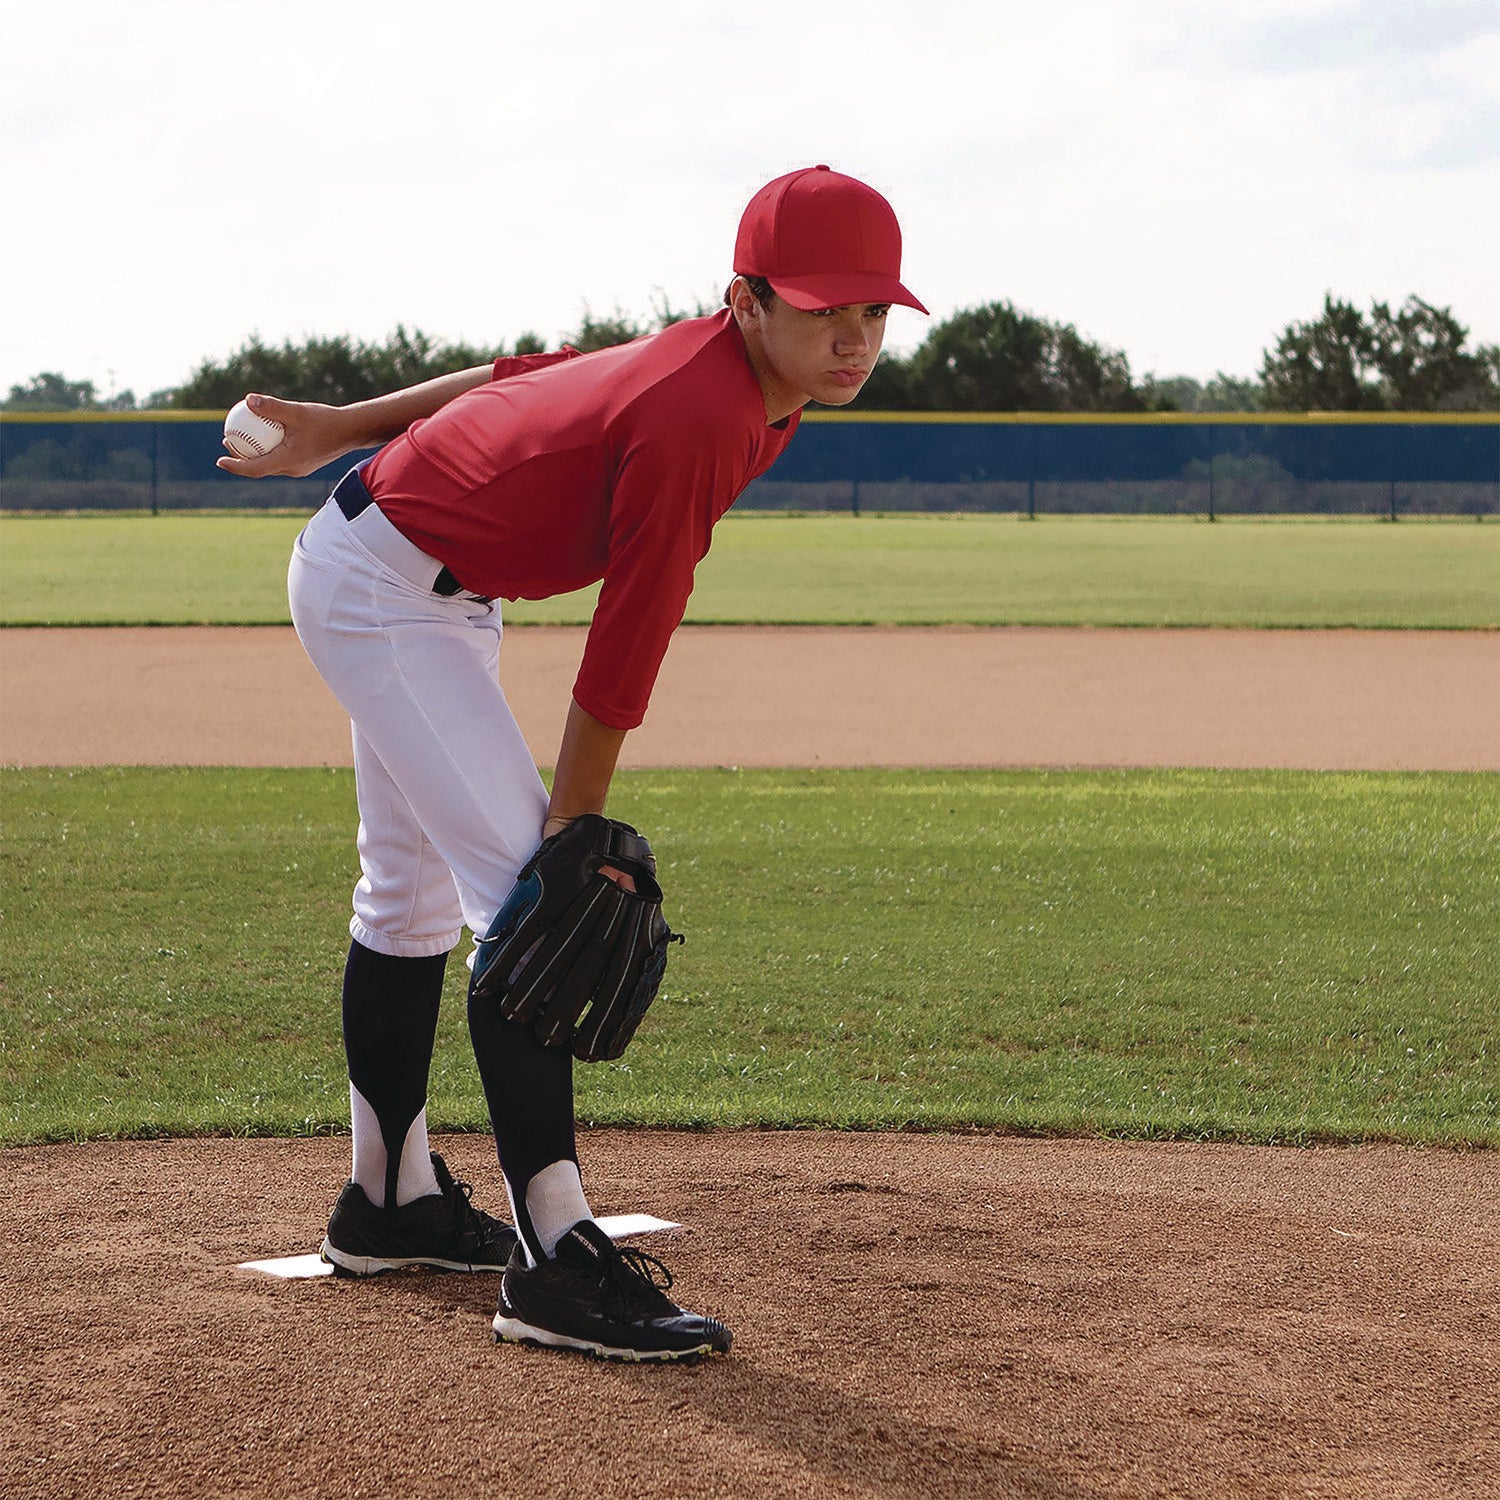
(451, 804)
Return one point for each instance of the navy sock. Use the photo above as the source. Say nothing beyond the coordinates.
(529, 1090)
(390, 1022)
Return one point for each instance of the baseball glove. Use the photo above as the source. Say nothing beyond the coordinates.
(572, 953)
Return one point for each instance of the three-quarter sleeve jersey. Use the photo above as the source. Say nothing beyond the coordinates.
(564, 471)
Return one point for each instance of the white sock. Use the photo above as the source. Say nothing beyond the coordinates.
(555, 1202)
(414, 1177)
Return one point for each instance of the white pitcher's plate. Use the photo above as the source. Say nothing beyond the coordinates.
(304, 1267)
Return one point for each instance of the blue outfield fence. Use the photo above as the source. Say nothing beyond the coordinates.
(1380, 464)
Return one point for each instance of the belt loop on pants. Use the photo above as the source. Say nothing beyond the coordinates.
(351, 497)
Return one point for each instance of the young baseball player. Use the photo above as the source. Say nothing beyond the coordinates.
(523, 480)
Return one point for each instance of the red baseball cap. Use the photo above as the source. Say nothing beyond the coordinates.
(823, 240)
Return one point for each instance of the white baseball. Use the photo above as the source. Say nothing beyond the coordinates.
(249, 436)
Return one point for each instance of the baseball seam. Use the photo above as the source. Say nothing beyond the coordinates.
(257, 446)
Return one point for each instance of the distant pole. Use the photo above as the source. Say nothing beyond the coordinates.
(854, 496)
(1031, 472)
(1211, 515)
(155, 465)
(1393, 469)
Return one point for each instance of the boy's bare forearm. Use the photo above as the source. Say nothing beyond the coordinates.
(317, 434)
(585, 766)
(384, 417)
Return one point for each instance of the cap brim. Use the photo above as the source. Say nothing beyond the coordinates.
(812, 293)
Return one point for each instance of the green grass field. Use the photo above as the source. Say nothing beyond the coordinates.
(980, 570)
(1280, 957)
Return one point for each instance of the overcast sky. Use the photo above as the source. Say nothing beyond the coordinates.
(1177, 179)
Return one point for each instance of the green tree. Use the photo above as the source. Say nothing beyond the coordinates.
(1224, 393)
(889, 385)
(51, 391)
(603, 333)
(1412, 359)
(1231, 393)
(1326, 364)
(997, 358)
(1488, 356)
(1419, 351)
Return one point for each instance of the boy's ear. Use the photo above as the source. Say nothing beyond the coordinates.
(743, 303)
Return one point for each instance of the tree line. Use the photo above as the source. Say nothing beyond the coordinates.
(995, 357)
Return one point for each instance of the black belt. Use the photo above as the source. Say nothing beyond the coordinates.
(353, 498)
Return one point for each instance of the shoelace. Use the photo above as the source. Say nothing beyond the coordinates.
(634, 1275)
(466, 1218)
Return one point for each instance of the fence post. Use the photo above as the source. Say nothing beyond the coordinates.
(1211, 430)
(1392, 471)
(854, 496)
(155, 466)
(1031, 472)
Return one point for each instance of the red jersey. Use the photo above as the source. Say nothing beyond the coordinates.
(567, 469)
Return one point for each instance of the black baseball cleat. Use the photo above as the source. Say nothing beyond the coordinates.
(443, 1230)
(602, 1301)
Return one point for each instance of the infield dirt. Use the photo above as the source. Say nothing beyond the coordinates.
(922, 1316)
(841, 696)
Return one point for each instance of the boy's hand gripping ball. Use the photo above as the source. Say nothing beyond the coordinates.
(249, 436)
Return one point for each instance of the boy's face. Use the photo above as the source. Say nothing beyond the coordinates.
(823, 356)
